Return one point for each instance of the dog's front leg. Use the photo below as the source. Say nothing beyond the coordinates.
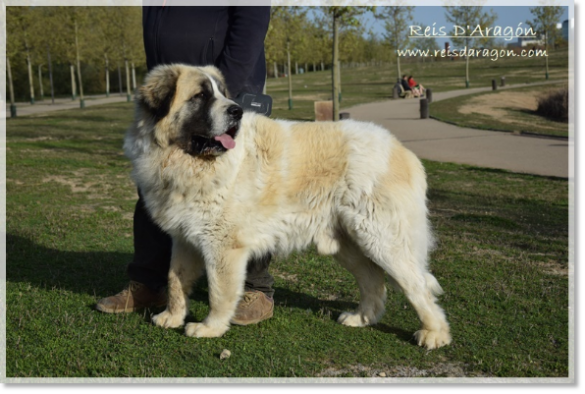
(226, 276)
(186, 266)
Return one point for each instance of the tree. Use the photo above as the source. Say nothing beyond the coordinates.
(322, 39)
(340, 16)
(468, 16)
(396, 24)
(286, 38)
(426, 43)
(44, 28)
(545, 24)
(103, 39)
(127, 38)
(72, 41)
(20, 22)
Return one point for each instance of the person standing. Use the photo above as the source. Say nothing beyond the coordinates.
(232, 39)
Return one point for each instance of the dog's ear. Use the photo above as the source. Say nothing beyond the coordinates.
(158, 91)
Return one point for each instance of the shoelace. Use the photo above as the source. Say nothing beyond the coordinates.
(131, 288)
(249, 297)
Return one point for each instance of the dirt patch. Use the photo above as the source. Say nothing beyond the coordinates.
(292, 278)
(42, 138)
(452, 370)
(554, 268)
(74, 183)
(497, 105)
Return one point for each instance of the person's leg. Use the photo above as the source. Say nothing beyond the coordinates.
(257, 303)
(148, 271)
(257, 276)
(152, 251)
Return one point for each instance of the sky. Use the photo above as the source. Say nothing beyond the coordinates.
(506, 16)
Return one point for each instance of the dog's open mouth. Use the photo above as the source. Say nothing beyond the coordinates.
(214, 146)
(227, 139)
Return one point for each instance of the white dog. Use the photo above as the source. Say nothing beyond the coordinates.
(228, 185)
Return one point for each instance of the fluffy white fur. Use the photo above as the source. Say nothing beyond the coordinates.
(348, 187)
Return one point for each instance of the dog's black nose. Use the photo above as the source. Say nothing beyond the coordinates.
(235, 112)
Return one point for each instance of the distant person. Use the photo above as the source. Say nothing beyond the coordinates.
(417, 89)
(404, 83)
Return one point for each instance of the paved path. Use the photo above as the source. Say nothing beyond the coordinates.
(434, 140)
(428, 138)
(24, 109)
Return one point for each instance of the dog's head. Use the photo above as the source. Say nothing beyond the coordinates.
(191, 109)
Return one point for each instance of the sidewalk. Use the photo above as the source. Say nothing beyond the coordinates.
(25, 109)
(434, 140)
(428, 138)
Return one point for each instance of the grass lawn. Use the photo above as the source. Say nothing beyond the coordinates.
(506, 110)
(502, 259)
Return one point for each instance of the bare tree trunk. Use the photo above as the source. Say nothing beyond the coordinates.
(41, 92)
(30, 78)
(50, 75)
(81, 98)
(339, 92)
(335, 69)
(275, 70)
(290, 101)
(128, 95)
(120, 80)
(107, 75)
(467, 64)
(399, 76)
(546, 57)
(296, 68)
(133, 77)
(11, 89)
(73, 84)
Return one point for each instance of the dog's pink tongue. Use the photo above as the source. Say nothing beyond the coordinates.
(226, 140)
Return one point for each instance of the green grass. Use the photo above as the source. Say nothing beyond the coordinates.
(515, 119)
(501, 259)
(366, 84)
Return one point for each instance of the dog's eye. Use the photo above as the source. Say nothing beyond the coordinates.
(199, 96)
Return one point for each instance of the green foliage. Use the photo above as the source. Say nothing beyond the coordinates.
(468, 17)
(115, 32)
(545, 22)
(397, 20)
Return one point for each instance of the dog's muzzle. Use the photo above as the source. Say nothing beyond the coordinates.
(221, 143)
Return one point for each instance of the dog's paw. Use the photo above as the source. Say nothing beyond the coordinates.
(202, 330)
(167, 320)
(432, 339)
(352, 319)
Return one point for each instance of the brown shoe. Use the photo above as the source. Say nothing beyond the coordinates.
(254, 307)
(136, 296)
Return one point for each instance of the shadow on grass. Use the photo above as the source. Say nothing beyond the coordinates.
(101, 274)
(94, 273)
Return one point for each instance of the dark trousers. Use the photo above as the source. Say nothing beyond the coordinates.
(152, 257)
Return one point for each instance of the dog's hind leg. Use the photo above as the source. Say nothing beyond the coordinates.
(370, 279)
(407, 268)
(226, 276)
(186, 266)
